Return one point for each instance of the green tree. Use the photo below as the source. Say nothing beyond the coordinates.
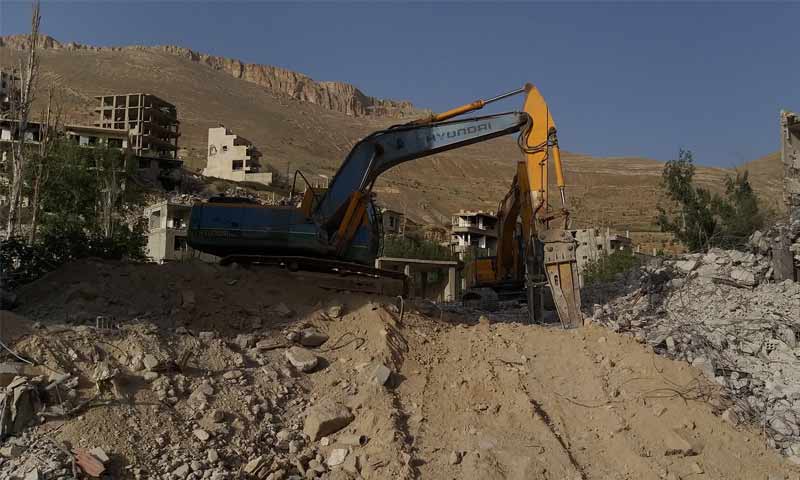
(695, 223)
(740, 213)
(411, 247)
(701, 219)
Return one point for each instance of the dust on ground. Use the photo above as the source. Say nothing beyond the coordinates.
(192, 380)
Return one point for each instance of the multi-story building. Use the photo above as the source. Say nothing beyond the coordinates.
(475, 232)
(88, 136)
(151, 122)
(233, 157)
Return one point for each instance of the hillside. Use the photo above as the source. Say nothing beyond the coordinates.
(301, 124)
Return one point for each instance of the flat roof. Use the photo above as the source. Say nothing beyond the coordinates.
(88, 128)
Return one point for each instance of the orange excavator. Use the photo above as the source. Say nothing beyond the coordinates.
(339, 228)
(534, 248)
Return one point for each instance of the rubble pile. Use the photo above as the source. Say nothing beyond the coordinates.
(781, 243)
(720, 312)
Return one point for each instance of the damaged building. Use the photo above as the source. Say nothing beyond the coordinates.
(151, 122)
(790, 156)
(233, 157)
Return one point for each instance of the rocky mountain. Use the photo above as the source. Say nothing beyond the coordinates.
(294, 133)
(337, 96)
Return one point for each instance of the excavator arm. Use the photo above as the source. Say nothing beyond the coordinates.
(548, 253)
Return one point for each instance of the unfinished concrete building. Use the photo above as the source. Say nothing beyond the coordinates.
(474, 231)
(151, 122)
(790, 155)
(8, 82)
(233, 157)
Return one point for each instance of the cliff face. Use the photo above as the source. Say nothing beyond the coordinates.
(337, 96)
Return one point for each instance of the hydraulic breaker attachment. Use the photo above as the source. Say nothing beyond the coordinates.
(561, 268)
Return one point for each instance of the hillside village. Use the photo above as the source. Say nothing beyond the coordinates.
(186, 364)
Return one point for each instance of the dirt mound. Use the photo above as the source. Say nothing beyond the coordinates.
(261, 373)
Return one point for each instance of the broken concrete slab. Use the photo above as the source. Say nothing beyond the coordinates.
(326, 418)
(379, 374)
(302, 359)
(310, 337)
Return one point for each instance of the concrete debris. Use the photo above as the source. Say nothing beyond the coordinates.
(90, 464)
(335, 311)
(326, 418)
(310, 337)
(337, 457)
(379, 374)
(722, 312)
(302, 359)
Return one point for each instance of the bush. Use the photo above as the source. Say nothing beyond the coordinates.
(607, 267)
(21, 263)
(409, 247)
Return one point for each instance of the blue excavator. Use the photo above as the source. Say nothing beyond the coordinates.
(338, 228)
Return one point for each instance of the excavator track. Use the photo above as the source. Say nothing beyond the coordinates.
(348, 276)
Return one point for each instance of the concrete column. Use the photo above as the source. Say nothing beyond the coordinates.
(410, 275)
(424, 275)
(451, 288)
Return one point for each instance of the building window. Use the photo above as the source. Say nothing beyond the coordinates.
(155, 219)
(237, 164)
(224, 148)
(212, 150)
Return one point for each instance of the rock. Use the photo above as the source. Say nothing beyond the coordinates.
(670, 344)
(310, 337)
(182, 471)
(232, 375)
(337, 457)
(351, 464)
(282, 310)
(150, 376)
(696, 468)
(686, 266)
(730, 416)
(100, 454)
(33, 475)
(302, 359)
(379, 374)
(217, 416)
(705, 365)
(787, 335)
(326, 418)
(11, 450)
(201, 434)
(150, 362)
(484, 320)
(334, 311)
(254, 465)
(743, 276)
(212, 455)
(455, 457)
(675, 444)
(89, 464)
(207, 335)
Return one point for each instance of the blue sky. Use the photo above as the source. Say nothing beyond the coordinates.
(626, 78)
